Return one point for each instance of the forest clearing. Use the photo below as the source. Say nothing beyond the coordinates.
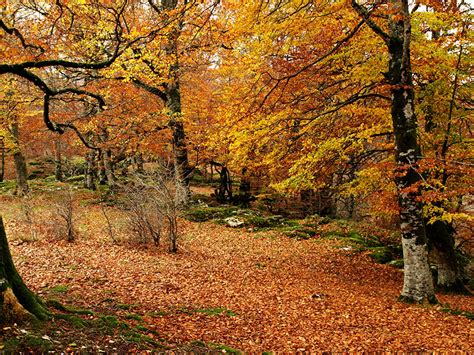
(206, 176)
(227, 288)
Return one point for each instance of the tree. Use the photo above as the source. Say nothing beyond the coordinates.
(49, 50)
(418, 283)
(16, 300)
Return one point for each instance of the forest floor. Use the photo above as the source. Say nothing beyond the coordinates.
(225, 290)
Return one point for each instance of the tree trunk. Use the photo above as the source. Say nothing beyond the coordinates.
(90, 172)
(173, 104)
(58, 173)
(108, 168)
(22, 187)
(418, 283)
(101, 169)
(441, 238)
(138, 160)
(2, 167)
(17, 302)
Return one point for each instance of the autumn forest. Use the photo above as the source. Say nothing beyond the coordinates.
(269, 176)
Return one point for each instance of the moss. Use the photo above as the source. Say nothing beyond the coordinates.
(397, 263)
(202, 214)
(7, 185)
(76, 321)
(366, 241)
(108, 322)
(54, 303)
(124, 306)
(133, 316)
(224, 348)
(59, 289)
(76, 178)
(457, 312)
(37, 343)
(11, 345)
(381, 255)
(410, 300)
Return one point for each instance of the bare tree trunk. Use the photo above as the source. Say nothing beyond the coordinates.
(22, 187)
(18, 303)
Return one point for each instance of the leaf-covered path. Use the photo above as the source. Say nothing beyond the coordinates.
(250, 291)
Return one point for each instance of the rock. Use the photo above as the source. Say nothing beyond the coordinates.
(234, 222)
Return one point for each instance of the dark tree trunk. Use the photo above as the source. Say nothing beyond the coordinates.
(441, 232)
(441, 238)
(223, 193)
(173, 104)
(22, 187)
(90, 171)
(2, 166)
(109, 168)
(58, 172)
(101, 169)
(18, 303)
(138, 160)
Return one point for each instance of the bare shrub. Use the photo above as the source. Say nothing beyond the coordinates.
(66, 216)
(152, 204)
(27, 218)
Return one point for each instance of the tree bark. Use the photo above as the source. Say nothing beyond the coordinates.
(22, 187)
(108, 168)
(90, 171)
(58, 172)
(173, 103)
(17, 302)
(441, 238)
(418, 283)
(2, 167)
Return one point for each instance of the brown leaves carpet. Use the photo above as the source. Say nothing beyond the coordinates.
(279, 294)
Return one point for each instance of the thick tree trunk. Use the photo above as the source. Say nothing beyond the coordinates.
(17, 302)
(441, 238)
(58, 172)
(22, 187)
(418, 283)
